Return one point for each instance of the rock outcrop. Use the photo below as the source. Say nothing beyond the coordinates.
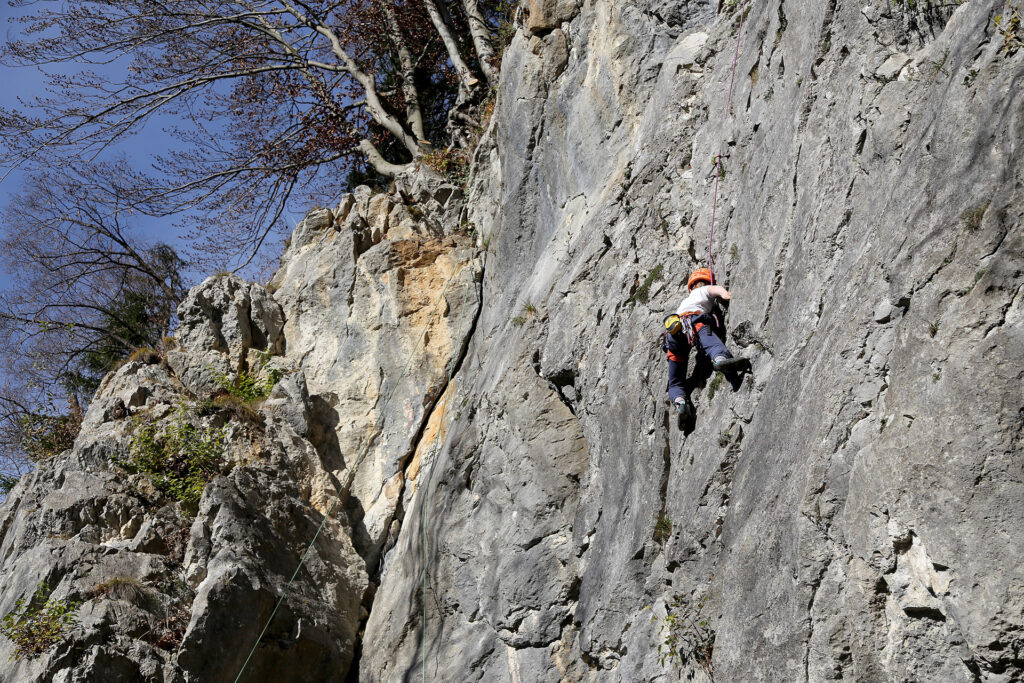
(468, 393)
(179, 588)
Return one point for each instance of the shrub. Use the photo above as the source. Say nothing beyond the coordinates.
(686, 635)
(1009, 27)
(123, 588)
(972, 216)
(177, 456)
(248, 386)
(519, 320)
(451, 164)
(39, 624)
(44, 436)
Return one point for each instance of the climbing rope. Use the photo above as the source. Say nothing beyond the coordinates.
(352, 470)
(718, 159)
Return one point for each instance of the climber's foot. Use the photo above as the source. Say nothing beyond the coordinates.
(725, 363)
(684, 411)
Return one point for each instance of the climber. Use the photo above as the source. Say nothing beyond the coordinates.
(694, 322)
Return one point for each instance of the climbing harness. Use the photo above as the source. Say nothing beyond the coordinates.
(352, 470)
(718, 158)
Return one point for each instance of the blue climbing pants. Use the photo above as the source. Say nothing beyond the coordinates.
(676, 379)
(678, 351)
(708, 342)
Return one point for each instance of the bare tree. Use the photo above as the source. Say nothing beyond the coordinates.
(86, 293)
(269, 92)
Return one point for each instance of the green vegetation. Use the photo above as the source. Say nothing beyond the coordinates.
(969, 78)
(38, 624)
(133, 322)
(450, 164)
(177, 456)
(972, 216)
(506, 11)
(938, 66)
(1009, 27)
(716, 382)
(529, 311)
(662, 528)
(248, 386)
(643, 292)
(974, 283)
(687, 638)
(7, 482)
(44, 436)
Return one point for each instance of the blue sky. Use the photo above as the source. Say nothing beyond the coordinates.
(140, 149)
(28, 82)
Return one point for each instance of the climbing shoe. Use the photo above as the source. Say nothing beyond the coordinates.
(684, 411)
(724, 363)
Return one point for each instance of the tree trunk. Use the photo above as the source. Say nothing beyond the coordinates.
(413, 114)
(379, 163)
(481, 38)
(465, 75)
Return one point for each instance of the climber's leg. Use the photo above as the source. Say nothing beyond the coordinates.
(677, 389)
(716, 350)
(713, 347)
(676, 380)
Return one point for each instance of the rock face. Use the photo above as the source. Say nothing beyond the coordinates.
(483, 429)
(848, 511)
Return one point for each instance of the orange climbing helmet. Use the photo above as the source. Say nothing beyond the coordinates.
(700, 275)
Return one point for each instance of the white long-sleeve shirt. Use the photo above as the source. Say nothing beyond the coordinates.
(701, 299)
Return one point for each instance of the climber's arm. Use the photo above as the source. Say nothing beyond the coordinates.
(720, 292)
